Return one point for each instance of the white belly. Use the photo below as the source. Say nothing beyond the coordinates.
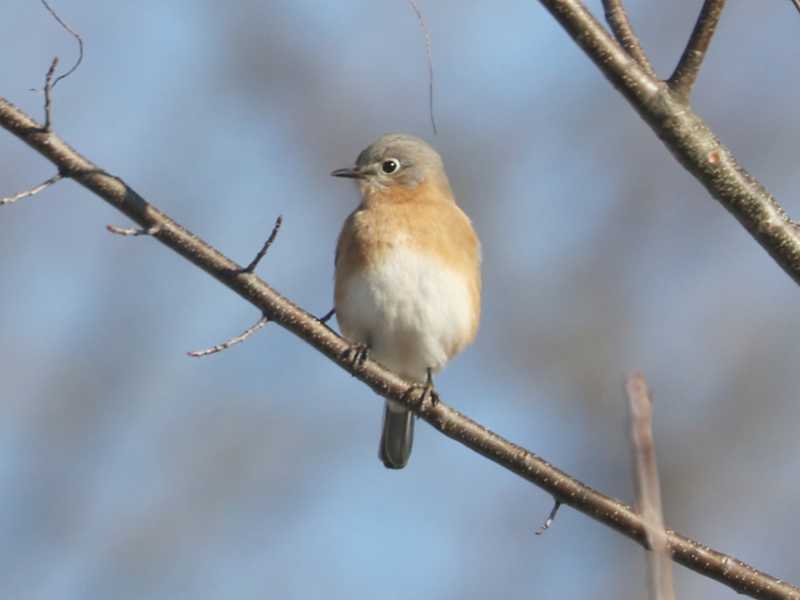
(413, 311)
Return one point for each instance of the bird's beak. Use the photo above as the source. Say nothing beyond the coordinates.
(352, 173)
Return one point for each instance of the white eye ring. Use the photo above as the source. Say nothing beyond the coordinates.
(390, 165)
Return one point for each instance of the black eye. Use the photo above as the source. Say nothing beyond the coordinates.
(390, 166)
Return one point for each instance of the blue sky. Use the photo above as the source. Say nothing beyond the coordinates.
(130, 470)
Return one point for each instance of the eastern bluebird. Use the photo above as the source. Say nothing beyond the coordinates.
(408, 279)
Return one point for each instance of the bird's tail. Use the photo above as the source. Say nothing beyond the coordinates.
(397, 436)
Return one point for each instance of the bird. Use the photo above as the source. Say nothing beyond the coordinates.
(407, 283)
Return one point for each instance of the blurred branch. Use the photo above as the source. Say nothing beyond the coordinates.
(686, 72)
(618, 20)
(568, 490)
(686, 135)
(648, 487)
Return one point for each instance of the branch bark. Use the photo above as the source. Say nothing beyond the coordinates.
(609, 511)
(687, 136)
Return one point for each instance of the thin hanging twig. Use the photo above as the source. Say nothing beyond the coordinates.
(77, 37)
(424, 26)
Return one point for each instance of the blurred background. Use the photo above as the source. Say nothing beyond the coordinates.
(128, 470)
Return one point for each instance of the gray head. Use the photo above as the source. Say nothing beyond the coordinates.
(397, 159)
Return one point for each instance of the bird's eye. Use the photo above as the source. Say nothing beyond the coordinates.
(390, 165)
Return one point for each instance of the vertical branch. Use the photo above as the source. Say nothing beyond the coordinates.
(685, 74)
(620, 24)
(648, 488)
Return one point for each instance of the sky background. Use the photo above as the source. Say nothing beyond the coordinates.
(128, 470)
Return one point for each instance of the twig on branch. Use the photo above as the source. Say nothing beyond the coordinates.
(33, 191)
(77, 37)
(48, 90)
(687, 137)
(550, 518)
(682, 80)
(429, 56)
(620, 24)
(133, 231)
(261, 253)
(232, 341)
(527, 465)
(327, 316)
(648, 487)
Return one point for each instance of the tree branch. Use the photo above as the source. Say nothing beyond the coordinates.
(682, 80)
(686, 136)
(609, 511)
(648, 487)
(618, 20)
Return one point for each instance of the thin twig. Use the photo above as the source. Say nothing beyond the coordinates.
(648, 488)
(328, 315)
(261, 253)
(613, 513)
(232, 341)
(34, 190)
(134, 231)
(550, 518)
(48, 89)
(429, 55)
(683, 78)
(620, 24)
(77, 37)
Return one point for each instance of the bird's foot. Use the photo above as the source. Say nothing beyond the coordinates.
(356, 354)
(425, 390)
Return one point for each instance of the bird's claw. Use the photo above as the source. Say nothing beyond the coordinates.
(356, 355)
(426, 391)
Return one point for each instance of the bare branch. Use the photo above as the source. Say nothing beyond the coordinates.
(77, 37)
(133, 231)
(648, 488)
(33, 191)
(232, 341)
(685, 74)
(527, 465)
(617, 19)
(327, 316)
(686, 136)
(261, 253)
(550, 518)
(429, 55)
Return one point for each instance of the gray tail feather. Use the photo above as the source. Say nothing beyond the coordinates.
(397, 437)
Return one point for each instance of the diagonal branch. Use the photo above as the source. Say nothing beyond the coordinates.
(618, 20)
(687, 136)
(686, 72)
(609, 511)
